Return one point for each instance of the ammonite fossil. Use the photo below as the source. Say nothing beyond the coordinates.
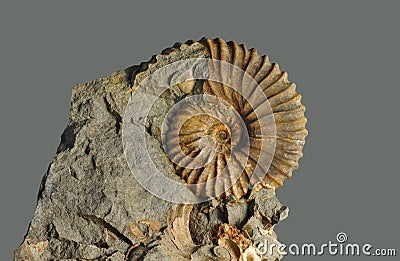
(225, 136)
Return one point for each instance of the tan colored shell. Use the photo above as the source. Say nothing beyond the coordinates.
(177, 241)
(251, 253)
(287, 110)
(285, 102)
(232, 248)
(236, 242)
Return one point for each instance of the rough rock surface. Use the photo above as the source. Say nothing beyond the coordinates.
(90, 207)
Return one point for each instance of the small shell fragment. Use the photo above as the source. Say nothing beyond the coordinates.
(135, 231)
(177, 241)
(153, 225)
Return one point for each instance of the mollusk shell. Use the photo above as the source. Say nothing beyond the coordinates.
(286, 110)
(177, 241)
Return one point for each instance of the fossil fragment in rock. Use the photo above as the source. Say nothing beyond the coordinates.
(238, 244)
(177, 241)
(243, 128)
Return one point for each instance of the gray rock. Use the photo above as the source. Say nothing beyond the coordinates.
(90, 206)
(88, 196)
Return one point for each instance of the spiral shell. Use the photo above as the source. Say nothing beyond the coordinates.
(288, 112)
(194, 128)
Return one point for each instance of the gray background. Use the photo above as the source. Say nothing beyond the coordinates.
(343, 55)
